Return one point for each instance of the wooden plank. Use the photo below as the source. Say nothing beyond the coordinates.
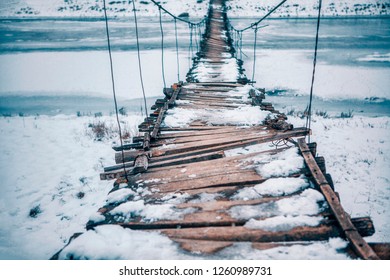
(212, 247)
(200, 104)
(243, 234)
(190, 159)
(381, 249)
(216, 166)
(202, 181)
(160, 117)
(218, 130)
(174, 96)
(205, 100)
(216, 137)
(199, 90)
(188, 128)
(146, 143)
(358, 243)
(224, 205)
(120, 173)
(118, 166)
(202, 246)
(127, 146)
(219, 84)
(194, 150)
(129, 156)
(207, 143)
(212, 96)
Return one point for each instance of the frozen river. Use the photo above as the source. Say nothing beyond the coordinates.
(51, 66)
(54, 67)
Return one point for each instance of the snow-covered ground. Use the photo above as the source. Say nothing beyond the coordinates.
(309, 8)
(247, 8)
(50, 183)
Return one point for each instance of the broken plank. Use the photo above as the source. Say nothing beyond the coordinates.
(272, 137)
(218, 137)
(213, 142)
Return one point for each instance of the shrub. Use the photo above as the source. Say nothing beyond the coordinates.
(346, 115)
(99, 130)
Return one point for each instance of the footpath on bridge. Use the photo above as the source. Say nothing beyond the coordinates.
(216, 172)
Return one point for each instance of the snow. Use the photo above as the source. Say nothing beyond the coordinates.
(93, 8)
(284, 163)
(115, 242)
(241, 92)
(283, 223)
(272, 187)
(175, 198)
(284, 214)
(108, 241)
(244, 115)
(317, 251)
(120, 195)
(149, 212)
(97, 218)
(205, 197)
(250, 149)
(309, 8)
(225, 72)
(307, 203)
(50, 164)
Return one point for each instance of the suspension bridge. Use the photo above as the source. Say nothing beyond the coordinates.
(215, 166)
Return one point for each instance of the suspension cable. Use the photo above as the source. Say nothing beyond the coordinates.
(200, 34)
(162, 49)
(255, 24)
(175, 17)
(113, 87)
(139, 59)
(240, 34)
(254, 55)
(190, 48)
(308, 118)
(196, 39)
(177, 52)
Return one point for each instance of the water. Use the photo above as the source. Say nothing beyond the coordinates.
(51, 66)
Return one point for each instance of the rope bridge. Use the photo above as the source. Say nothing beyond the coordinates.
(215, 167)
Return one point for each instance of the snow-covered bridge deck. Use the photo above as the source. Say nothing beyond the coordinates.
(218, 173)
